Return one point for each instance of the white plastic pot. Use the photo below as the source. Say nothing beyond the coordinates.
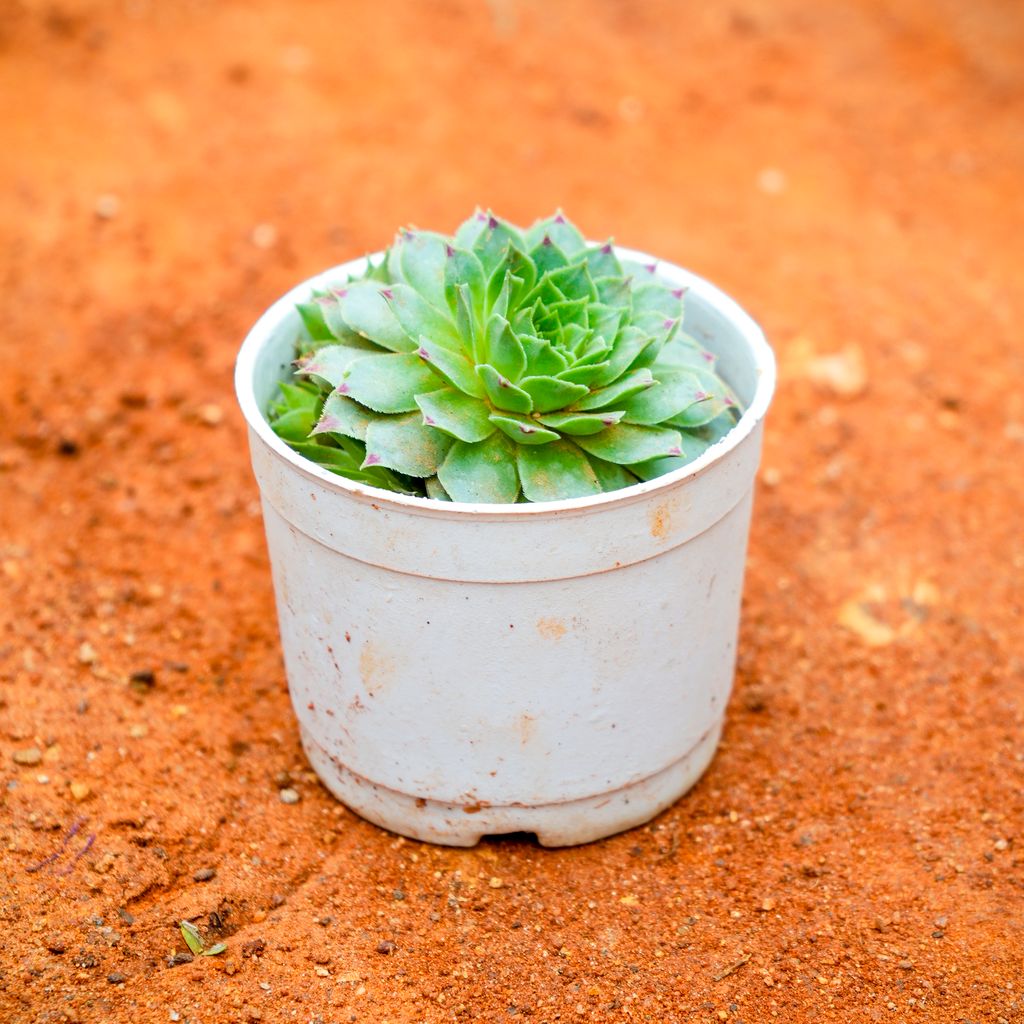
(461, 670)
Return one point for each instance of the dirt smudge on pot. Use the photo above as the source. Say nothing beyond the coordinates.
(552, 628)
(376, 667)
(661, 521)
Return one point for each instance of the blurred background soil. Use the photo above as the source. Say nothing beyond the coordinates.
(851, 171)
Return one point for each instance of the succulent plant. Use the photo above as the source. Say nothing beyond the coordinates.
(501, 365)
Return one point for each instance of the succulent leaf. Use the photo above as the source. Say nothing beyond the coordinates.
(560, 230)
(362, 308)
(547, 257)
(481, 472)
(342, 415)
(312, 315)
(631, 343)
(455, 367)
(499, 365)
(435, 489)
(549, 393)
(420, 259)
(330, 363)
(577, 424)
(625, 387)
(463, 270)
(674, 393)
(467, 233)
(388, 383)
(555, 471)
(584, 373)
(603, 262)
(542, 359)
(504, 350)
(405, 444)
(418, 317)
(709, 398)
(502, 393)
(456, 413)
(522, 429)
(626, 444)
(492, 243)
(611, 476)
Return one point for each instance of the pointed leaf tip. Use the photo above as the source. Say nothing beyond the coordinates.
(327, 425)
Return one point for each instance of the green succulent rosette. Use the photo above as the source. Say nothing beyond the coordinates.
(501, 365)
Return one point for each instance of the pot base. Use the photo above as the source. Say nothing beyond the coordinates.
(567, 823)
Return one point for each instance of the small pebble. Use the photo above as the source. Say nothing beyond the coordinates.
(210, 415)
(205, 875)
(142, 679)
(117, 978)
(495, 882)
(1001, 844)
(28, 757)
(107, 206)
(264, 236)
(283, 780)
(87, 653)
(289, 796)
(941, 922)
(322, 972)
(385, 947)
(80, 791)
(179, 958)
(55, 944)
(771, 181)
(398, 894)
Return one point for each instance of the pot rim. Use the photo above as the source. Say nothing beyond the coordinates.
(753, 336)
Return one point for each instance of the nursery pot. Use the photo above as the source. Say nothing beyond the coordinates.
(560, 668)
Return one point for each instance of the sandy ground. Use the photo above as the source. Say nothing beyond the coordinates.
(851, 171)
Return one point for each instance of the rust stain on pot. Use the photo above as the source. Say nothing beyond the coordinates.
(527, 725)
(552, 629)
(376, 667)
(660, 521)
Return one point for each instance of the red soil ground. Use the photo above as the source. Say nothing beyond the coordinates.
(851, 171)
